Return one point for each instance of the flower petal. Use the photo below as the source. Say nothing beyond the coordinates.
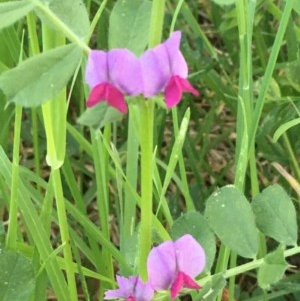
(190, 256)
(111, 94)
(155, 70)
(97, 95)
(177, 62)
(161, 265)
(143, 291)
(125, 290)
(125, 71)
(174, 89)
(116, 99)
(182, 280)
(96, 68)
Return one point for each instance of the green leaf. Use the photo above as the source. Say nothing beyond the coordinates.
(99, 116)
(129, 25)
(41, 77)
(284, 127)
(71, 12)
(211, 289)
(292, 73)
(17, 279)
(12, 11)
(275, 215)
(224, 2)
(195, 224)
(272, 269)
(230, 216)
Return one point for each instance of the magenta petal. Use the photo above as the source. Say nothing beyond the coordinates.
(182, 280)
(97, 95)
(190, 256)
(108, 92)
(116, 99)
(125, 71)
(174, 89)
(96, 68)
(161, 265)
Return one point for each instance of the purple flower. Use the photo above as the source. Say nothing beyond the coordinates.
(111, 75)
(165, 69)
(131, 289)
(173, 265)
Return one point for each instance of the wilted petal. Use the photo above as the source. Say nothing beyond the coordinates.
(177, 62)
(174, 89)
(155, 70)
(190, 256)
(96, 68)
(125, 71)
(161, 266)
(107, 92)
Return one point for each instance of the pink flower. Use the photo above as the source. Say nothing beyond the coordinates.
(131, 289)
(111, 75)
(165, 69)
(173, 265)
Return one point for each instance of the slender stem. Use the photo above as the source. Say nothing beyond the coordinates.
(270, 68)
(64, 230)
(12, 233)
(63, 28)
(146, 140)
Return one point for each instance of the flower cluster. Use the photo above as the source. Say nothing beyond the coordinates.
(171, 265)
(118, 72)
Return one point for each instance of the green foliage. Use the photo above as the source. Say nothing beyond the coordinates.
(48, 72)
(12, 11)
(272, 269)
(129, 25)
(17, 279)
(275, 215)
(99, 116)
(195, 224)
(71, 13)
(230, 216)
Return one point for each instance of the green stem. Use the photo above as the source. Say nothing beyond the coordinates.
(63, 28)
(64, 230)
(156, 25)
(12, 233)
(146, 140)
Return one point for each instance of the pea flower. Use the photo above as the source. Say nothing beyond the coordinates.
(111, 75)
(165, 69)
(131, 289)
(173, 265)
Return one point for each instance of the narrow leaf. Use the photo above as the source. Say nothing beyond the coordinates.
(275, 215)
(230, 216)
(284, 127)
(12, 11)
(129, 25)
(41, 77)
